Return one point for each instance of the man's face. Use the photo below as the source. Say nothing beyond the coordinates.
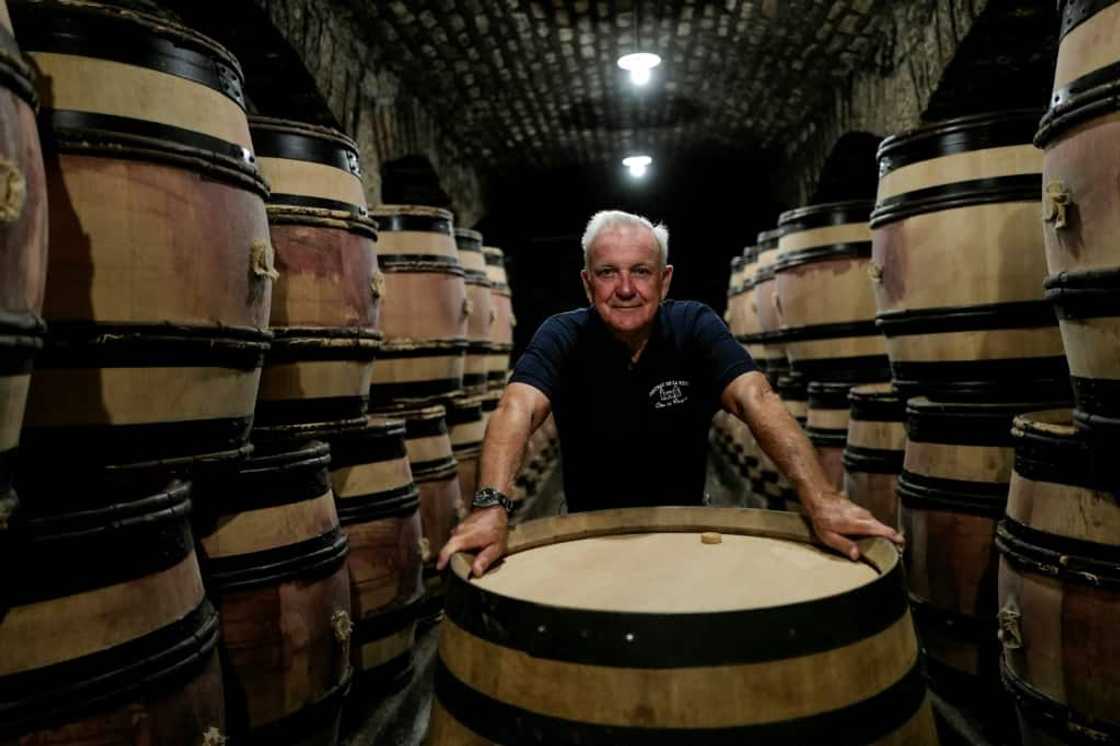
(625, 279)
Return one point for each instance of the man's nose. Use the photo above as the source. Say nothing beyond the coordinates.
(625, 288)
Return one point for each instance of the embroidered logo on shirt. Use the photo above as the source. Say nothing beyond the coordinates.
(669, 394)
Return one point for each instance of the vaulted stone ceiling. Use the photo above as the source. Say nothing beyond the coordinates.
(536, 81)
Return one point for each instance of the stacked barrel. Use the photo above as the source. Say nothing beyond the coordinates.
(827, 312)
(426, 320)
(1059, 540)
(158, 290)
(501, 329)
(958, 270)
(23, 249)
(732, 441)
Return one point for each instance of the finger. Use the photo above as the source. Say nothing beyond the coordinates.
(486, 558)
(449, 549)
(845, 546)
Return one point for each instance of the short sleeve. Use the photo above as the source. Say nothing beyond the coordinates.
(541, 363)
(721, 356)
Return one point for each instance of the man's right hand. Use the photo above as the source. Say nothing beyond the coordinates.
(484, 529)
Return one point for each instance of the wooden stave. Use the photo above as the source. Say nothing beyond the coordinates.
(1058, 582)
(448, 723)
(164, 666)
(259, 581)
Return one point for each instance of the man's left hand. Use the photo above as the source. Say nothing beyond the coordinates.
(835, 518)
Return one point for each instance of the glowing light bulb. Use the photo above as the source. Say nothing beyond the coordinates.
(637, 165)
(639, 65)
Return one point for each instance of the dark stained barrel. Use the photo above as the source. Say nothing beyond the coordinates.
(106, 635)
(326, 299)
(953, 490)
(501, 331)
(1059, 584)
(826, 302)
(424, 309)
(827, 427)
(160, 269)
(686, 656)
(23, 248)
(874, 449)
(274, 561)
(1081, 210)
(958, 262)
(379, 509)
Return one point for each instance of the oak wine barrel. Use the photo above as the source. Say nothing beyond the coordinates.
(1081, 210)
(23, 248)
(952, 492)
(483, 312)
(424, 308)
(826, 301)
(326, 299)
(773, 361)
(650, 606)
(431, 459)
(736, 292)
(748, 305)
(501, 331)
(874, 449)
(827, 427)
(106, 635)
(274, 561)
(958, 262)
(1059, 584)
(160, 270)
(379, 508)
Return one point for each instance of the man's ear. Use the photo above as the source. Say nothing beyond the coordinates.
(586, 277)
(667, 279)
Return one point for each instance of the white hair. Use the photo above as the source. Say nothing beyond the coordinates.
(605, 219)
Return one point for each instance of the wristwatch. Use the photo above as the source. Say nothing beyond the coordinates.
(488, 497)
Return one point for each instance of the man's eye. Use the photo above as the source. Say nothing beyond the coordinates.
(641, 272)
(605, 272)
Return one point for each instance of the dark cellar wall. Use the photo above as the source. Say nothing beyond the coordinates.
(713, 204)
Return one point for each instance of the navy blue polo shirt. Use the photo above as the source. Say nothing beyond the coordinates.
(633, 435)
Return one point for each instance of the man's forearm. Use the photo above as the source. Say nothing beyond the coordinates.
(779, 435)
(504, 445)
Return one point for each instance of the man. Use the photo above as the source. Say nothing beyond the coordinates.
(633, 382)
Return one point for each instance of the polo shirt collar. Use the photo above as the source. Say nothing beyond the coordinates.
(615, 348)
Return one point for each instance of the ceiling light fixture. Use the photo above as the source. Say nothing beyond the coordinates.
(639, 65)
(638, 165)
